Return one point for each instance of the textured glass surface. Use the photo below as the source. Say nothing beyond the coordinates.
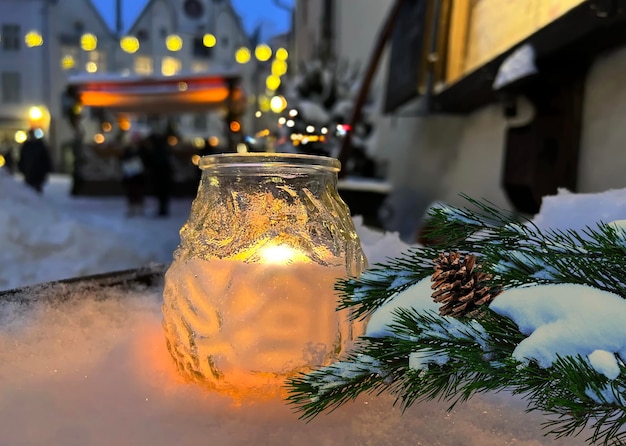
(249, 298)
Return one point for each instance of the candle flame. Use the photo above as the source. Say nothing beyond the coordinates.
(279, 254)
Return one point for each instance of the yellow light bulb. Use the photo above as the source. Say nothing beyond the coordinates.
(129, 44)
(242, 55)
(35, 113)
(282, 54)
(272, 82)
(263, 52)
(20, 136)
(32, 39)
(278, 104)
(88, 42)
(174, 42)
(279, 67)
(209, 40)
(67, 62)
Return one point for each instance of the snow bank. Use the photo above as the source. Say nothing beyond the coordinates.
(39, 243)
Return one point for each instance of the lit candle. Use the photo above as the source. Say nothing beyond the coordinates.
(249, 305)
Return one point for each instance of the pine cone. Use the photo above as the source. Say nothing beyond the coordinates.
(459, 285)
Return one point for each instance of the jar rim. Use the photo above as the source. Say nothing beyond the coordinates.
(265, 159)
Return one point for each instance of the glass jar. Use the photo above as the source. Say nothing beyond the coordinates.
(249, 299)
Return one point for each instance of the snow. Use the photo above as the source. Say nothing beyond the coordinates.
(88, 371)
(54, 236)
(564, 319)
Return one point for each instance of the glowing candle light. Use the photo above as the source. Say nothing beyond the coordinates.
(249, 299)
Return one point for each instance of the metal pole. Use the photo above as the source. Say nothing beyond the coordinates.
(383, 37)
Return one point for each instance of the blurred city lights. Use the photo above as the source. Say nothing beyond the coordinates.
(129, 44)
(88, 42)
(20, 136)
(263, 52)
(235, 126)
(242, 148)
(242, 55)
(91, 67)
(272, 82)
(278, 104)
(279, 67)
(293, 113)
(282, 54)
(282, 120)
(209, 40)
(290, 123)
(67, 62)
(124, 123)
(35, 113)
(32, 39)
(264, 103)
(98, 138)
(258, 114)
(214, 141)
(310, 128)
(174, 42)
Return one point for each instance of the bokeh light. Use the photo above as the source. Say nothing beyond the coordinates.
(33, 39)
(272, 82)
(242, 55)
(174, 42)
(68, 62)
(88, 42)
(129, 44)
(263, 52)
(209, 40)
(282, 54)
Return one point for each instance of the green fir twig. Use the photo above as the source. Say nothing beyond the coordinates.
(425, 356)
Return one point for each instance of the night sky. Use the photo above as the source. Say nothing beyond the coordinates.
(272, 19)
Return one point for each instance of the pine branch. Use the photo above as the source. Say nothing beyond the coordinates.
(381, 282)
(428, 356)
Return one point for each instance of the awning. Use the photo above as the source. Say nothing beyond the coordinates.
(162, 95)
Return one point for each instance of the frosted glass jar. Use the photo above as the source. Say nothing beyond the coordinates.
(249, 298)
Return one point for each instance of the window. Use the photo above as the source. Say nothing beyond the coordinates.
(201, 51)
(143, 65)
(11, 87)
(70, 57)
(199, 66)
(11, 37)
(97, 59)
(170, 66)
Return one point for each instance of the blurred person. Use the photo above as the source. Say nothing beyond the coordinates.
(133, 174)
(35, 162)
(159, 160)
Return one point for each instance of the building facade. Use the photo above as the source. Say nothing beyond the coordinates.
(43, 42)
(437, 156)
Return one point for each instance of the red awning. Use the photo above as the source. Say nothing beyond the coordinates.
(172, 94)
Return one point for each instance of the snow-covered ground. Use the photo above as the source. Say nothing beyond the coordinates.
(93, 371)
(56, 236)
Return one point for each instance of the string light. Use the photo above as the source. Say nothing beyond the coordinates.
(209, 40)
(129, 44)
(88, 42)
(242, 55)
(174, 42)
